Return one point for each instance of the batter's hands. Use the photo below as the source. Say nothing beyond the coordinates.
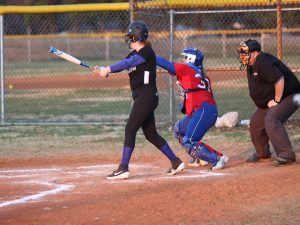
(272, 103)
(102, 71)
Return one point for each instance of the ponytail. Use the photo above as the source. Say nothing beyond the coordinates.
(148, 43)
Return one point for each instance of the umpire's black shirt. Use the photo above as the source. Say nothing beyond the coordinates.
(263, 76)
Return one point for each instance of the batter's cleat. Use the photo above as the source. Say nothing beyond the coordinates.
(121, 173)
(284, 162)
(221, 163)
(177, 166)
(197, 162)
(254, 158)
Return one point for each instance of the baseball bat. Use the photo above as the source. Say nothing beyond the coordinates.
(67, 57)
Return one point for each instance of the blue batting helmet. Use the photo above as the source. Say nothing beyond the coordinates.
(193, 55)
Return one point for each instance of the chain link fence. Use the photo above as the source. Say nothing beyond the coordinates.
(216, 28)
(38, 87)
(42, 88)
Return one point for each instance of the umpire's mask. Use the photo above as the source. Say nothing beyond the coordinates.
(244, 51)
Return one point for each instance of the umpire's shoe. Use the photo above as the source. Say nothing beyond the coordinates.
(121, 173)
(254, 158)
(177, 166)
(284, 162)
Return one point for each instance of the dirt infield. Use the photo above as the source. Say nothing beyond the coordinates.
(70, 188)
(76, 192)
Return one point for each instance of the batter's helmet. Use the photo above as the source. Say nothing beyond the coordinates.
(137, 31)
(193, 55)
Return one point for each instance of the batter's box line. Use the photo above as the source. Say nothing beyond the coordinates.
(29, 170)
(190, 175)
(58, 188)
(109, 166)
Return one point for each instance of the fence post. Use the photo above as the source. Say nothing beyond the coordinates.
(279, 29)
(29, 47)
(262, 41)
(224, 45)
(28, 50)
(2, 70)
(132, 7)
(107, 47)
(68, 45)
(171, 90)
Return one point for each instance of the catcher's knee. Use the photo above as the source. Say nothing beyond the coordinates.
(177, 134)
(187, 144)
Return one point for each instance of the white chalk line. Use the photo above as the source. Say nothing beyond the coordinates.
(22, 174)
(144, 172)
(32, 174)
(96, 166)
(58, 188)
(29, 170)
(190, 175)
(115, 166)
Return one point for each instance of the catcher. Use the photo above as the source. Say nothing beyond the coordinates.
(198, 105)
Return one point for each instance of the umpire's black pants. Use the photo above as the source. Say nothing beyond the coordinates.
(267, 125)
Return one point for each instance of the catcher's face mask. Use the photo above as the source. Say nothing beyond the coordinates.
(243, 54)
(187, 58)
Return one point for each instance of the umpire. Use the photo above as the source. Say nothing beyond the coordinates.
(272, 86)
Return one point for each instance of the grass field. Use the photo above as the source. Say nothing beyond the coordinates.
(57, 91)
(94, 104)
(38, 141)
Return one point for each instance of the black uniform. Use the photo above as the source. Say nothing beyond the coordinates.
(264, 75)
(266, 124)
(145, 97)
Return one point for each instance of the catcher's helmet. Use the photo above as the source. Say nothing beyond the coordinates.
(193, 55)
(137, 31)
(244, 49)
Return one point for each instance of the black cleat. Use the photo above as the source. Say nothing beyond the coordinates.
(284, 162)
(121, 173)
(177, 166)
(254, 158)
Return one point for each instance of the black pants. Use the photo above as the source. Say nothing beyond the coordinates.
(142, 115)
(267, 125)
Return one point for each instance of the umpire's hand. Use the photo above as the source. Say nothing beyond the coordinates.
(272, 103)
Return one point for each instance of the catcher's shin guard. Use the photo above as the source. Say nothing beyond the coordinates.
(177, 134)
(201, 152)
(210, 148)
